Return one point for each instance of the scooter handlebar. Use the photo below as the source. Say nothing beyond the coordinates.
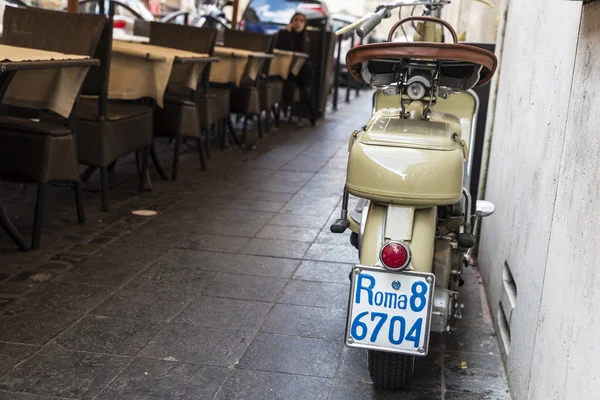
(372, 22)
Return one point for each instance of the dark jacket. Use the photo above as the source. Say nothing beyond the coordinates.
(293, 41)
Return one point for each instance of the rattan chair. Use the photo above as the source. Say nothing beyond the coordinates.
(251, 98)
(44, 152)
(188, 113)
(110, 129)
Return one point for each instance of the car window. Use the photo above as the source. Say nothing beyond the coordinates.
(275, 11)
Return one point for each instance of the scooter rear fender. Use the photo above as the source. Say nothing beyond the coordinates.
(415, 227)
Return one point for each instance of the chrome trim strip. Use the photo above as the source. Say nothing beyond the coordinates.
(467, 179)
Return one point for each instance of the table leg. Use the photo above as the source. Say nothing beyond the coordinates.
(11, 230)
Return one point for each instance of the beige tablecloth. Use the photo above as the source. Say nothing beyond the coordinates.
(53, 89)
(141, 70)
(286, 62)
(233, 63)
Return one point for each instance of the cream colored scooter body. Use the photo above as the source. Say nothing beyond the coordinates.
(406, 168)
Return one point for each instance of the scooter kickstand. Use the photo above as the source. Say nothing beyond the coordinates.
(340, 225)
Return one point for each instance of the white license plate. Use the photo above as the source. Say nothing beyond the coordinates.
(390, 311)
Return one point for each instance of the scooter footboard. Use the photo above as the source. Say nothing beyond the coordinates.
(415, 227)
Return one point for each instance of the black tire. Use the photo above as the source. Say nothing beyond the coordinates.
(390, 370)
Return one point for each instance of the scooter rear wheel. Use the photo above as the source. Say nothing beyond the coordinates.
(390, 370)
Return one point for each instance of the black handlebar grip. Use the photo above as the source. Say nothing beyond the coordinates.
(371, 23)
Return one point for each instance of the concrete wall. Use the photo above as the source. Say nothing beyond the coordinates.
(544, 177)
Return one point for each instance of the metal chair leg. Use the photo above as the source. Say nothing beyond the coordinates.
(223, 134)
(144, 175)
(176, 154)
(104, 188)
(79, 202)
(267, 120)
(159, 167)
(260, 132)
(207, 133)
(231, 129)
(201, 154)
(40, 204)
(245, 129)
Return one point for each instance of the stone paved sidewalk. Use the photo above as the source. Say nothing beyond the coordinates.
(235, 290)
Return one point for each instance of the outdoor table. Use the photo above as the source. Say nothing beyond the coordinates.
(140, 70)
(235, 64)
(286, 62)
(39, 79)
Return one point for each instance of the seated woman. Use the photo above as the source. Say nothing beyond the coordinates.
(294, 38)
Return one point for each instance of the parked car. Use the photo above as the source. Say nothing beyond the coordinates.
(269, 16)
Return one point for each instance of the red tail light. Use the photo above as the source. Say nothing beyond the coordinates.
(119, 24)
(395, 255)
(315, 7)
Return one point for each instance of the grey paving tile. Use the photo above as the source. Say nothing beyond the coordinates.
(75, 297)
(180, 258)
(328, 237)
(333, 253)
(136, 301)
(288, 233)
(23, 396)
(245, 287)
(352, 390)
(35, 326)
(224, 228)
(261, 266)
(475, 396)
(188, 281)
(224, 244)
(303, 221)
(102, 273)
(11, 354)
(474, 373)
(292, 354)
(158, 235)
(292, 176)
(320, 271)
(275, 248)
(316, 294)
(477, 338)
(252, 194)
(225, 313)
(198, 344)
(108, 335)
(258, 205)
(123, 253)
(235, 215)
(47, 311)
(245, 384)
(354, 366)
(322, 323)
(313, 207)
(156, 380)
(63, 373)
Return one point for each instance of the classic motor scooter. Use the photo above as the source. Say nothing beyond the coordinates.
(410, 167)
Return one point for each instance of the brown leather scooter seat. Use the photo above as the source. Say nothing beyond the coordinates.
(461, 66)
(457, 60)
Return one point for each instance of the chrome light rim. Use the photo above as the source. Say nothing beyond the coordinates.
(408, 253)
